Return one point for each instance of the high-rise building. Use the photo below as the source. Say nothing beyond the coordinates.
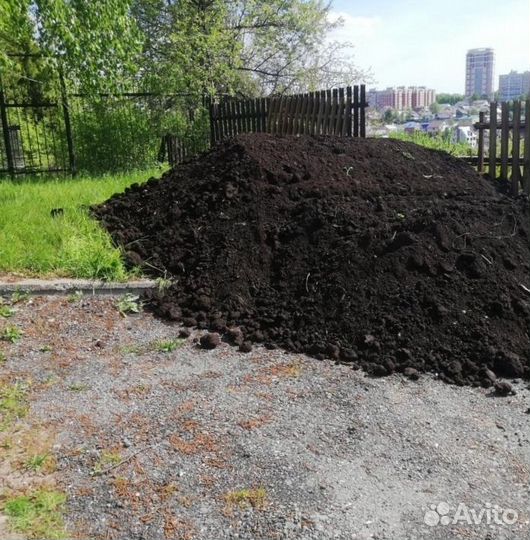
(480, 66)
(514, 85)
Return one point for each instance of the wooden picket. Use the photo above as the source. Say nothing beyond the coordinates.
(513, 126)
(338, 111)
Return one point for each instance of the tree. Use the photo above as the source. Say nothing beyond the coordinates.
(391, 116)
(451, 99)
(247, 47)
(96, 42)
(434, 107)
(285, 45)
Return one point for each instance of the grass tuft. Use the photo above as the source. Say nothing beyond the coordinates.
(11, 334)
(244, 498)
(107, 459)
(75, 297)
(167, 346)
(131, 349)
(19, 295)
(13, 404)
(129, 303)
(36, 463)
(6, 312)
(37, 515)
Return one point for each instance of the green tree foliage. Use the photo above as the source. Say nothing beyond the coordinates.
(435, 107)
(96, 43)
(451, 99)
(16, 28)
(246, 47)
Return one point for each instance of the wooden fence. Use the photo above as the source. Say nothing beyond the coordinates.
(340, 111)
(513, 129)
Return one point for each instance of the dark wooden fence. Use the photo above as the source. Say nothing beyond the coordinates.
(507, 135)
(340, 111)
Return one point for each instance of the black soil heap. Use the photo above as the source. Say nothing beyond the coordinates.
(376, 252)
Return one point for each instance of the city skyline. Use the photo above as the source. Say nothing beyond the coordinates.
(425, 43)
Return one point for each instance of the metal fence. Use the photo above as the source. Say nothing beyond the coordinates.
(46, 127)
(96, 134)
(33, 134)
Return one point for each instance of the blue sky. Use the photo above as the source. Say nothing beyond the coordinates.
(412, 42)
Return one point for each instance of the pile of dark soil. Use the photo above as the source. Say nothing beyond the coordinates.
(376, 252)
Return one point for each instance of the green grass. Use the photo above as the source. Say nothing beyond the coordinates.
(6, 312)
(11, 334)
(436, 143)
(13, 404)
(34, 243)
(35, 463)
(129, 303)
(169, 345)
(37, 515)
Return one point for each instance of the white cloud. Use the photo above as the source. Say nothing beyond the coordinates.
(353, 28)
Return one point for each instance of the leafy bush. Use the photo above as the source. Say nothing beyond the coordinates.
(125, 134)
(113, 135)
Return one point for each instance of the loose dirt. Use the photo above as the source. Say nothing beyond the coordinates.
(375, 252)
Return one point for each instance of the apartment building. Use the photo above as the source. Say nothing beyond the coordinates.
(514, 85)
(401, 97)
(480, 68)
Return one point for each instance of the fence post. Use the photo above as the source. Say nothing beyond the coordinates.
(526, 168)
(363, 111)
(505, 135)
(356, 111)
(481, 143)
(516, 147)
(67, 125)
(5, 131)
(493, 141)
(349, 106)
(212, 121)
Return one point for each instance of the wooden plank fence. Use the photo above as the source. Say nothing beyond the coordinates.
(340, 111)
(504, 153)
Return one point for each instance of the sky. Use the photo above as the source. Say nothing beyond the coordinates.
(424, 43)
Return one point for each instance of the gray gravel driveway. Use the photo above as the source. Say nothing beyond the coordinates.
(152, 443)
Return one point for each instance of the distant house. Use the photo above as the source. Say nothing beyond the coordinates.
(446, 113)
(481, 105)
(412, 116)
(385, 131)
(462, 112)
(467, 120)
(466, 135)
(411, 127)
(425, 114)
(436, 127)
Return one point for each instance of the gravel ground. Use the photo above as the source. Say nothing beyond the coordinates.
(197, 444)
